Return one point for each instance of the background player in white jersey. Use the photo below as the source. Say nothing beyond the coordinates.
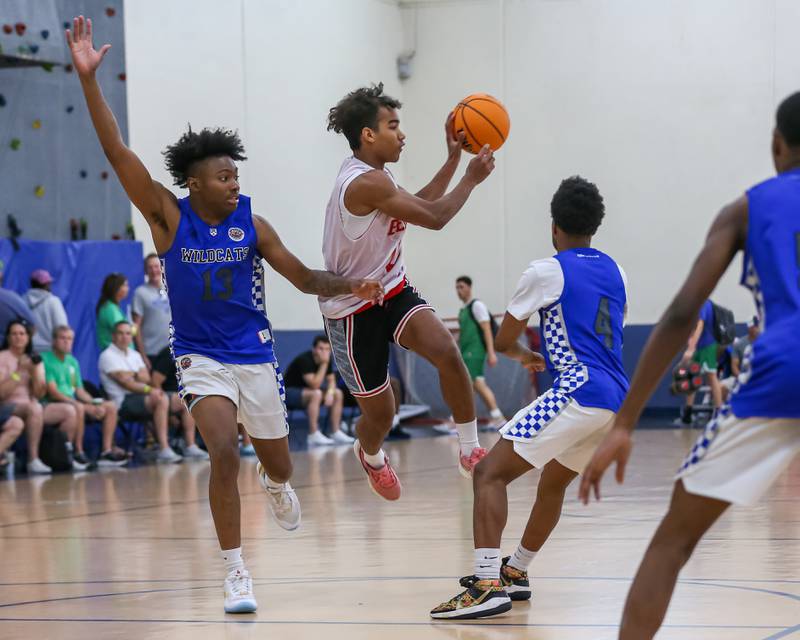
(580, 295)
(212, 247)
(750, 443)
(364, 226)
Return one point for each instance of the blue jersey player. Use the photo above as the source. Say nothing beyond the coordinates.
(211, 246)
(580, 296)
(753, 440)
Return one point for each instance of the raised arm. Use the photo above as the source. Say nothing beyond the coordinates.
(437, 187)
(157, 204)
(323, 283)
(375, 190)
(725, 238)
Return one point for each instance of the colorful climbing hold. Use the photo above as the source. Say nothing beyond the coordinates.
(68, 68)
(83, 173)
(48, 66)
(122, 76)
(39, 191)
(36, 124)
(15, 143)
(20, 28)
(34, 48)
(45, 34)
(66, 25)
(7, 28)
(111, 12)
(104, 175)
(70, 108)
(2, 100)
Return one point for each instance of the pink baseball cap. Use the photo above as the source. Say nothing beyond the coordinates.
(41, 276)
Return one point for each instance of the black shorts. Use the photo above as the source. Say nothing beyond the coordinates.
(360, 342)
(133, 408)
(164, 363)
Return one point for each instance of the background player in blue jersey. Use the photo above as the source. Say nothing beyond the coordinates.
(752, 441)
(580, 295)
(211, 246)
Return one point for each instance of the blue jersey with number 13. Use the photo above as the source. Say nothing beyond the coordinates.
(214, 279)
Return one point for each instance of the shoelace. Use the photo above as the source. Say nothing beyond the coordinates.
(241, 584)
(384, 476)
(283, 499)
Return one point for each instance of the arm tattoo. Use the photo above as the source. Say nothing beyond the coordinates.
(325, 283)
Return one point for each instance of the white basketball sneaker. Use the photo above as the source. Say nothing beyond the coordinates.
(283, 502)
(239, 592)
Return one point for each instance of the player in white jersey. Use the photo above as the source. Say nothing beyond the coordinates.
(365, 222)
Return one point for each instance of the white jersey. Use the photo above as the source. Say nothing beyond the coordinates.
(369, 246)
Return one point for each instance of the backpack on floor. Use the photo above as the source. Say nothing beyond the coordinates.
(53, 449)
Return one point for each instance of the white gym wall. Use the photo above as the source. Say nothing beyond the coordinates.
(666, 104)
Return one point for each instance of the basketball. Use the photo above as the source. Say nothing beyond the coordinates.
(483, 119)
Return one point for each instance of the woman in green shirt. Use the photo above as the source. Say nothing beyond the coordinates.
(115, 289)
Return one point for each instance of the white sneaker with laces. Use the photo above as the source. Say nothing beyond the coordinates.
(168, 455)
(318, 439)
(283, 503)
(37, 466)
(193, 451)
(340, 437)
(239, 592)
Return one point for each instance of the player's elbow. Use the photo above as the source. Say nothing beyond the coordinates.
(679, 314)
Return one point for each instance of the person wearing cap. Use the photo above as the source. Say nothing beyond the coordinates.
(47, 309)
(12, 306)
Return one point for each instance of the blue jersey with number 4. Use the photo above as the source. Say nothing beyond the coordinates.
(772, 272)
(214, 280)
(582, 330)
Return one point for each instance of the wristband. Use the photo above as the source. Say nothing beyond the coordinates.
(15, 377)
(147, 388)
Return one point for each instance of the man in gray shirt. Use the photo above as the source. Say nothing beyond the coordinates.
(152, 316)
(738, 352)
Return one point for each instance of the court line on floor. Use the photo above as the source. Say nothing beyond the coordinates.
(313, 579)
(785, 633)
(694, 582)
(442, 624)
(187, 502)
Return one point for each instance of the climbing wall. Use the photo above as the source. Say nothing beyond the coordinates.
(54, 176)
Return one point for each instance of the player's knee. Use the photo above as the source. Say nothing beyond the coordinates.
(316, 396)
(224, 460)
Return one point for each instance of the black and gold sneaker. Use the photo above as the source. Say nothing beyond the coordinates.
(514, 581)
(483, 598)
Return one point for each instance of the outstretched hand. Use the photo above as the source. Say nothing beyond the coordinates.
(615, 447)
(533, 361)
(371, 290)
(85, 58)
(455, 139)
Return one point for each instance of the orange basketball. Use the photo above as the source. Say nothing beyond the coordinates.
(483, 119)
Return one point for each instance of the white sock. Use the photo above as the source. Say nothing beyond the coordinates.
(468, 436)
(496, 413)
(395, 421)
(487, 564)
(271, 484)
(522, 558)
(375, 461)
(232, 559)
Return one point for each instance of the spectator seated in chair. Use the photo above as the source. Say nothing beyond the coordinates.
(22, 383)
(65, 384)
(310, 383)
(127, 382)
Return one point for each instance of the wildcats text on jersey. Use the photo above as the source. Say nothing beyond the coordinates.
(205, 256)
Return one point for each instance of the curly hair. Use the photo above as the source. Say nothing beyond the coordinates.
(193, 147)
(577, 207)
(359, 109)
(787, 119)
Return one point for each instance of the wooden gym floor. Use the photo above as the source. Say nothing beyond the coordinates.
(132, 554)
